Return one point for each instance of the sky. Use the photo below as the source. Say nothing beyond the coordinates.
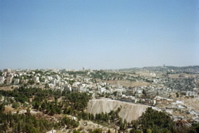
(98, 34)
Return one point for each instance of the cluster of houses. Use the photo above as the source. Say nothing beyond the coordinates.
(158, 94)
(54, 79)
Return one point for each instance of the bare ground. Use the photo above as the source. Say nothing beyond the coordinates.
(191, 102)
(127, 83)
(129, 111)
(6, 88)
(8, 109)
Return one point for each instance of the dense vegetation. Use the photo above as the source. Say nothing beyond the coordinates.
(52, 102)
(153, 121)
(156, 121)
(107, 119)
(47, 101)
(23, 123)
(17, 123)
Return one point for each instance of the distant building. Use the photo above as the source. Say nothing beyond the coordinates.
(191, 93)
(8, 70)
(16, 81)
(36, 79)
(2, 79)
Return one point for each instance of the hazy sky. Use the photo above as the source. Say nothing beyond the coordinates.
(98, 34)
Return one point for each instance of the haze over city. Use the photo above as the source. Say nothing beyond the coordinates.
(101, 34)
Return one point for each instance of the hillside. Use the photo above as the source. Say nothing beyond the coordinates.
(129, 111)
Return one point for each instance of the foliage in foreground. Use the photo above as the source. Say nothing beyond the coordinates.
(74, 103)
(153, 121)
(17, 123)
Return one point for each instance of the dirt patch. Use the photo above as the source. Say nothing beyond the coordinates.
(127, 83)
(8, 109)
(191, 103)
(183, 75)
(145, 74)
(6, 88)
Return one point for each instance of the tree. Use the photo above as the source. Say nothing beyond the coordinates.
(177, 94)
(156, 121)
(98, 130)
(144, 93)
(149, 131)
(2, 107)
(31, 82)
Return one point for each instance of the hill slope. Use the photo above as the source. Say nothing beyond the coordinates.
(129, 111)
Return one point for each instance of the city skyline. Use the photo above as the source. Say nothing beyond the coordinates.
(103, 34)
